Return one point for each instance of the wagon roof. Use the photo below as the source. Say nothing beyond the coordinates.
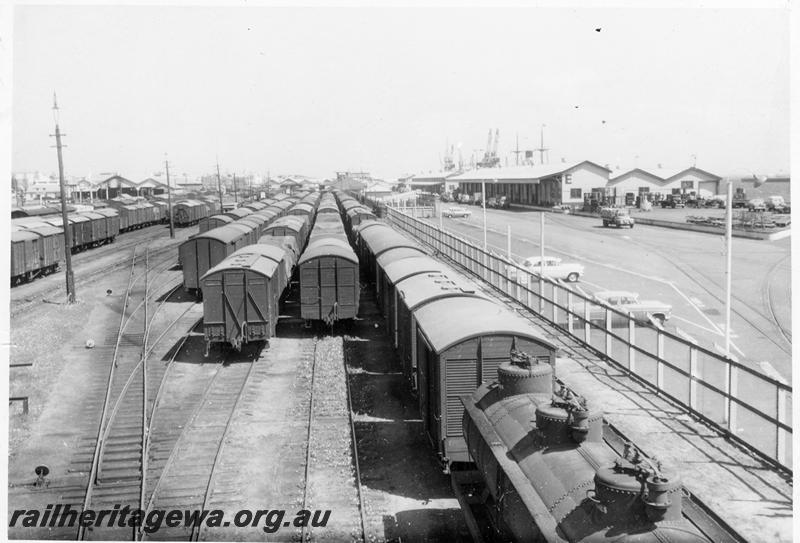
(284, 204)
(225, 233)
(417, 290)
(289, 243)
(350, 204)
(223, 218)
(304, 205)
(476, 317)
(359, 210)
(189, 203)
(255, 206)
(93, 215)
(363, 225)
(249, 259)
(381, 240)
(322, 247)
(400, 269)
(106, 212)
(399, 253)
(23, 235)
(30, 224)
(79, 217)
(239, 212)
(46, 230)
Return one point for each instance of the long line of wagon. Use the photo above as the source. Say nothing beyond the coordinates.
(38, 243)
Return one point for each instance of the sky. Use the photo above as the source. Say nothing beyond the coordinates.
(316, 90)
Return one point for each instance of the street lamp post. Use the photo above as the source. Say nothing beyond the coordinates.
(483, 204)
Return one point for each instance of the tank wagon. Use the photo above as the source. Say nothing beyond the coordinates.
(241, 294)
(329, 271)
(548, 474)
(35, 251)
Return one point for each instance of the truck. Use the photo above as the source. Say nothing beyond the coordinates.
(739, 198)
(616, 216)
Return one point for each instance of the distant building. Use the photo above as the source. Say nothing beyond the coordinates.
(435, 183)
(540, 185)
(627, 185)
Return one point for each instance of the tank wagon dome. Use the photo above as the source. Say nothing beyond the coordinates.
(474, 317)
(425, 287)
(401, 269)
(327, 247)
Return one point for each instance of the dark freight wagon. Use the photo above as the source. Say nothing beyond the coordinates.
(212, 222)
(25, 261)
(189, 212)
(400, 270)
(202, 252)
(453, 356)
(241, 295)
(112, 222)
(329, 284)
(388, 257)
(290, 225)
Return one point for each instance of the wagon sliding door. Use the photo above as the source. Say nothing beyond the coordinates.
(460, 364)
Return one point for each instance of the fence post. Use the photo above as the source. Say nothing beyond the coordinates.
(780, 441)
(659, 358)
(731, 390)
(607, 331)
(587, 328)
(693, 373)
(570, 324)
(555, 304)
(631, 343)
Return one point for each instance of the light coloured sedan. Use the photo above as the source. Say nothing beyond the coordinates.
(554, 268)
(454, 212)
(628, 302)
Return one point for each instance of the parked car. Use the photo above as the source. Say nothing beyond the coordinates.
(644, 311)
(616, 216)
(554, 268)
(453, 212)
(561, 208)
(498, 202)
(672, 201)
(757, 204)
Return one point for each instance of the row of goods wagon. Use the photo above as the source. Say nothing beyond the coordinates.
(38, 243)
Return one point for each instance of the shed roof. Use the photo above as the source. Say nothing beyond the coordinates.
(533, 173)
(328, 247)
(476, 317)
(407, 267)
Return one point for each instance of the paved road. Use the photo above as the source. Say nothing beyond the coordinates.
(682, 268)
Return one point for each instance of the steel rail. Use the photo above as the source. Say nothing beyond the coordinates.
(98, 445)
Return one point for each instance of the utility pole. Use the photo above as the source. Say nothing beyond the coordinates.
(235, 194)
(169, 202)
(65, 221)
(219, 189)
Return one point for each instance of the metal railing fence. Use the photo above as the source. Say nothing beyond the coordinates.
(741, 403)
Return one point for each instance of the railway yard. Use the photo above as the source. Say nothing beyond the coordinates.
(340, 393)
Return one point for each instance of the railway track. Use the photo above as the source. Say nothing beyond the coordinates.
(331, 474)
(106, 464)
